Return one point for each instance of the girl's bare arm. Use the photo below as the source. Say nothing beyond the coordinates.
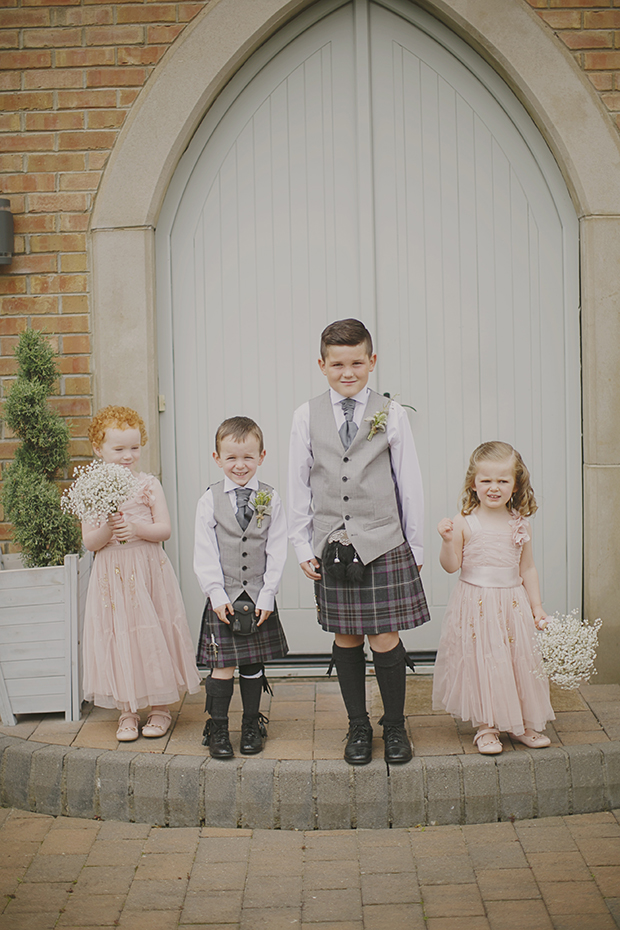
(96, 537)
(157, 531)
(452, 534)
(529, 574)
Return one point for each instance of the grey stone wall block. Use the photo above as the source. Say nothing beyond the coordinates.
(552, 781)
(220, 792)
(611, 771)
(113, 786)
(46, 779)
(407, 798)
(443, 789)
(333, 794)
(480, 788)
(257, 795)
(183, 795)
(296, 802)
(80, 782)
(148, 783)
(587, 778)
(517, 790)
(16, 766)
(370, 795)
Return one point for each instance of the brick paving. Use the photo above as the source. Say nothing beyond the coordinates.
(308, 722)
(557, 872)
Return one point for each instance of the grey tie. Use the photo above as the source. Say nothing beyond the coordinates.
(348, 430)
(244, 511)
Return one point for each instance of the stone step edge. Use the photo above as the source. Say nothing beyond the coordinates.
(190, 791)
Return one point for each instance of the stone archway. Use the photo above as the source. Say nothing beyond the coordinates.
(556, 95)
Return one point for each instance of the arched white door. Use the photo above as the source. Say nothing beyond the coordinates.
(365, 162)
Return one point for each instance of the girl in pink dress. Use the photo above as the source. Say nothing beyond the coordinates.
(487, 654)
(137, 649)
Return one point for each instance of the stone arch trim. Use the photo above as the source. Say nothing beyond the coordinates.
(512, 39)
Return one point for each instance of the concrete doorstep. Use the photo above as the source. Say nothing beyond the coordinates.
(184, 791)
(300, 780)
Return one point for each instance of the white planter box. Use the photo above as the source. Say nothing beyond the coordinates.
(41, 619)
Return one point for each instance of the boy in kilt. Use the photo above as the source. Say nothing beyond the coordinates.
(239, 555)
(356, 520)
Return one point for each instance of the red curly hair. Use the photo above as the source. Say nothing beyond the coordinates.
(115, 418)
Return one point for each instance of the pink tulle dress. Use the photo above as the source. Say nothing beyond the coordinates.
(137, 648)
(487, 653)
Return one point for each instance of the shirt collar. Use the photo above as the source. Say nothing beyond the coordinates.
(231, 486)
(360, 398)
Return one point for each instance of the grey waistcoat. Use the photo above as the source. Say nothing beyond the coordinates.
(352, 488)
(242, 552)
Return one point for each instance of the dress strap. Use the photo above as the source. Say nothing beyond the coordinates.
(473, 522)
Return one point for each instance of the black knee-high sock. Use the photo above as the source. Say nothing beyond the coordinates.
(351, 668)
(252, 684)
(390, 671)
(219, 693)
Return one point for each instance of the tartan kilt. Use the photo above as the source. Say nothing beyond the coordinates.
(390, 597)
(268, 643)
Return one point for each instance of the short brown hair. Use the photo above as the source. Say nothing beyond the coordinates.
(238, 428)
(115, 418)
(345, 333)
(522, 500)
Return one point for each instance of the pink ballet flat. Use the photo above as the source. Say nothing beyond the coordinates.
(127, 728)
(534, 741)
(488, 742)
(157, 723)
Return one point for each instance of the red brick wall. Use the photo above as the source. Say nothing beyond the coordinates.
(592, 32)
(69, 74)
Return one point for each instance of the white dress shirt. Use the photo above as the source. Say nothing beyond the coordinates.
(405, 469)
(207, 554)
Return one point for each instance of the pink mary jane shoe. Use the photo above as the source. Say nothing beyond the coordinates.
(127, 727)
(157, 723)
(532, 739)
(488, 742)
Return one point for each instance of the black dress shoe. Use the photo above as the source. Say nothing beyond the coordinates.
(358, 750)
(397, 745)
(215, 736)
(253, 733)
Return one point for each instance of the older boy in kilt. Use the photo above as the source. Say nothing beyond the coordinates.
(239, 555)
(355, 521)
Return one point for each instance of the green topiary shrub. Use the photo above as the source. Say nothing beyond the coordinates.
(31, 498)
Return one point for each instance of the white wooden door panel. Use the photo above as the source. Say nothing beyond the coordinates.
(264, 253)
(367, 163)
(460, 195)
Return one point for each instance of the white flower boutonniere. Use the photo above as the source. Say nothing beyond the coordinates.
(378, 421)
(262, 506)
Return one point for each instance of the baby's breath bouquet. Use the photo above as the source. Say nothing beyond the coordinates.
(98, 491)
(568, 647)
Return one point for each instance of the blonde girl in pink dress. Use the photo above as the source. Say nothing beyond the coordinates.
(137, 649)
(487, 656)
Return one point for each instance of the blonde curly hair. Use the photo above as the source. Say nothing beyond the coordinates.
(522, 499)
(115, 418)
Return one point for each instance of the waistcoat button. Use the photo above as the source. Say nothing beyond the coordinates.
(345, 498)
(244, 568)
(244, 539)
(345, 478)
(347, 517)
(346, 458)
(243, 554)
